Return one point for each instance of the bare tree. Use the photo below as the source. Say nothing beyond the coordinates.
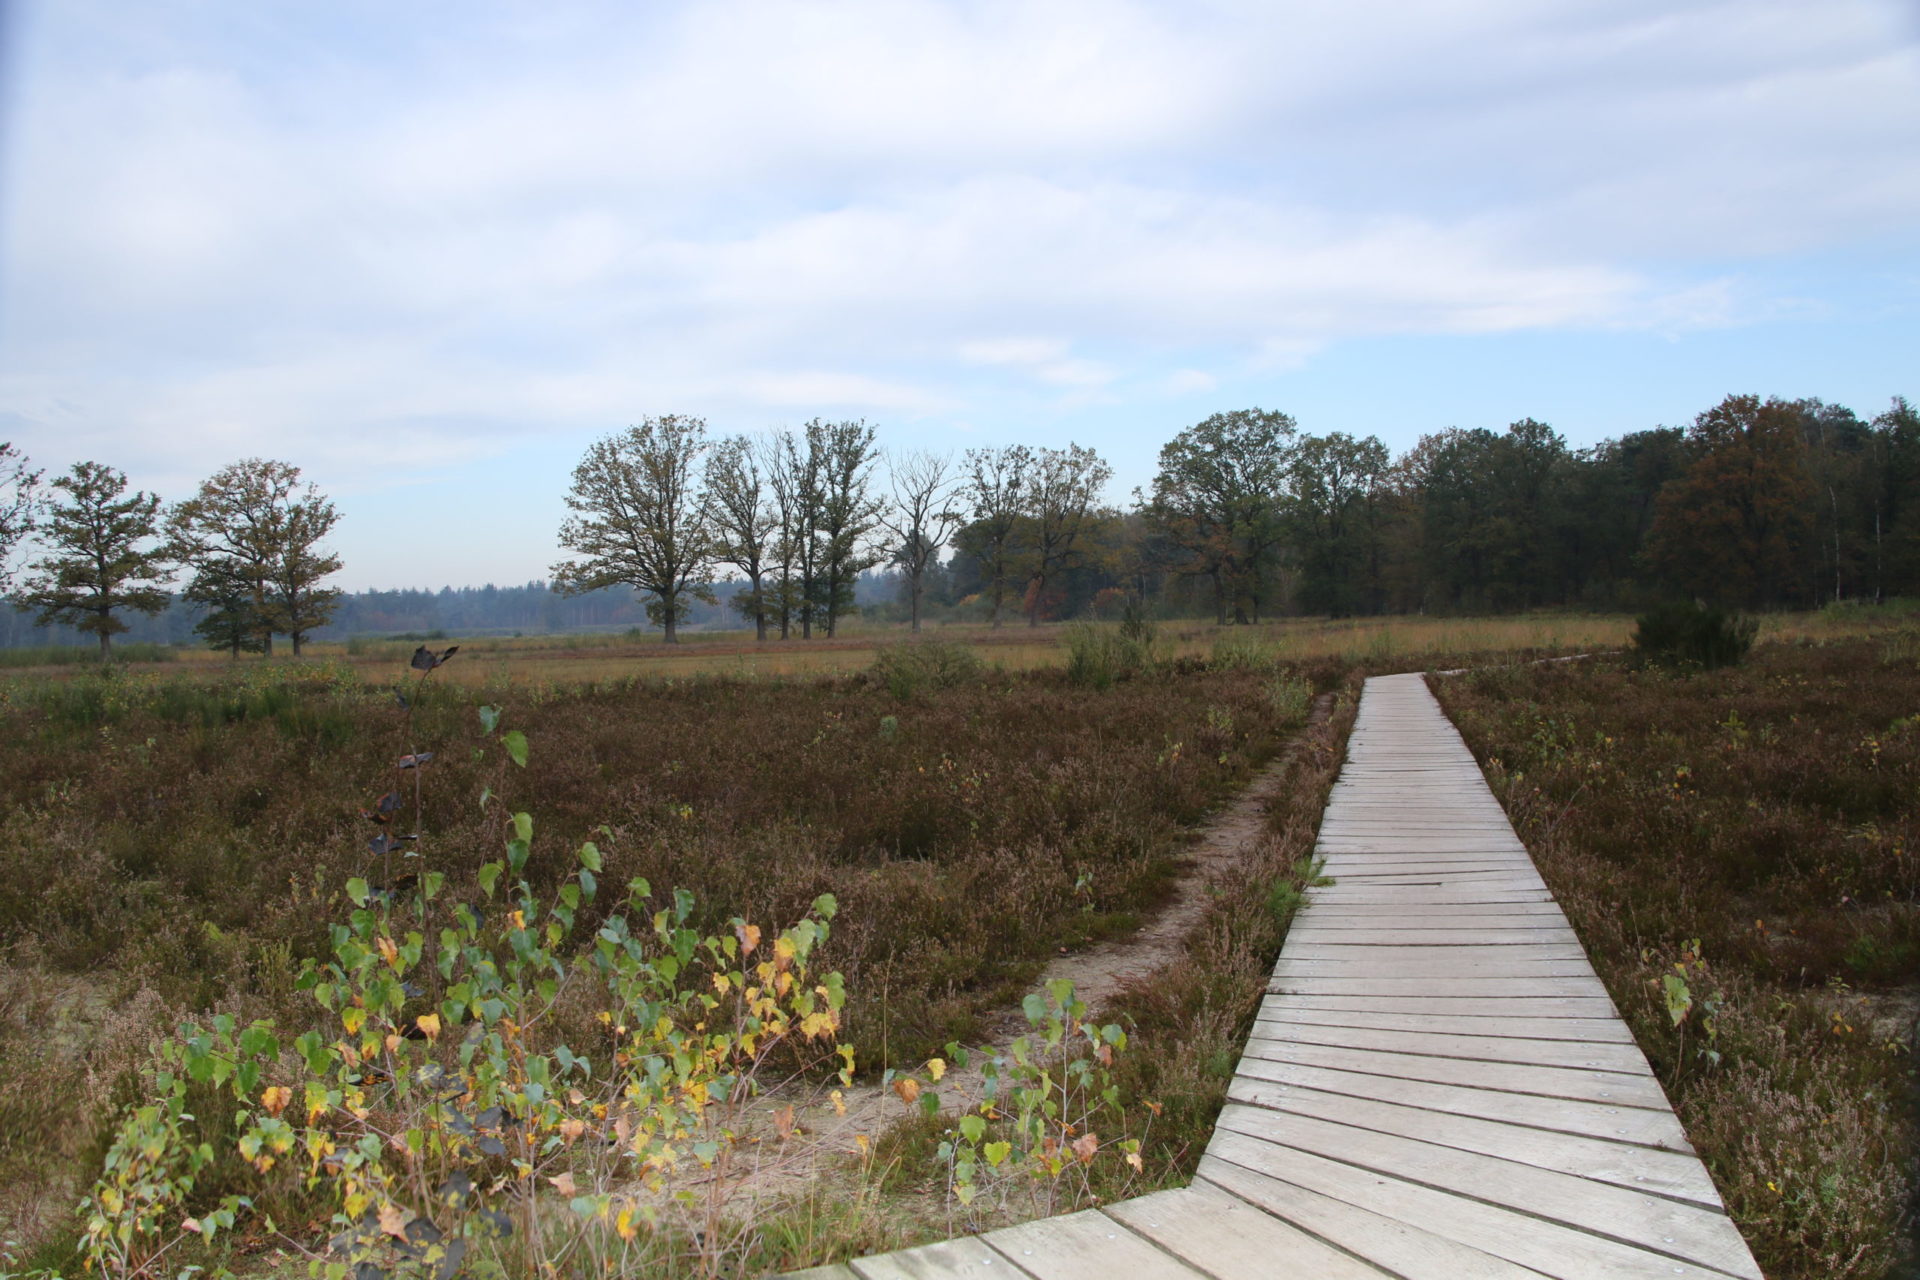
(745, 525)
(923, 517)
(1065, 488)
(639, 521)
(994, 487)
(99, 567)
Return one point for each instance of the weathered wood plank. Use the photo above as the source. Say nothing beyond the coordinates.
(1516, 1239)
(1694, 1232)
(1595, 1030)
(967, 1258)
(1618, 1087)
(1523, 1006)
(1223, 1235)
(1678, 1174)
(1268, 1083)
(1085, 1246)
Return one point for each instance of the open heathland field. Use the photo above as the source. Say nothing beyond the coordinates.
(1740, 852)
(1736, 848)
(175, 846)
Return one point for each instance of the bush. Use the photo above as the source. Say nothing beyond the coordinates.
(1097, 656)
(918, 665)
(1698, 635)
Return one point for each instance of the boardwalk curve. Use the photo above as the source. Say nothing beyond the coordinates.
(1436, 1084)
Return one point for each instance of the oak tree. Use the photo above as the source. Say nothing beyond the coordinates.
(638, 519)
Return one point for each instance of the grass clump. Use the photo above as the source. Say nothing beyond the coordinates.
(917, 667)
(1098, 656)
(1683, 634)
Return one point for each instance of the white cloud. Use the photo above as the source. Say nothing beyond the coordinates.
(409, 234)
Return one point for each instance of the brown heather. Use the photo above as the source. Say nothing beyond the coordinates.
(1765, 819)
(171, 846)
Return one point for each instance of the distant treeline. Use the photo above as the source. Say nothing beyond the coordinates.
(1756, 505)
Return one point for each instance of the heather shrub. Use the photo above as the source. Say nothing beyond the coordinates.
(1691, 634)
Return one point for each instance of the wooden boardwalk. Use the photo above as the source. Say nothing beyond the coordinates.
(1436, 1084)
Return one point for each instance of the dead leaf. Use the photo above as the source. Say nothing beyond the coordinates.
(275, 1099)
(564, 1184)
(908, 1088)
(783, 1122)
(1086, 1145)
(393, 1221)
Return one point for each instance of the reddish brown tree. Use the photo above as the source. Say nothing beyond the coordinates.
(1731, 529)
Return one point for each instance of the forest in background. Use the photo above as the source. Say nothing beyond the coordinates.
(1758, 504)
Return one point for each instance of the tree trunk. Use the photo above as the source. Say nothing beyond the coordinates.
(1219, 597)
(106, 647)
(913, 595)
(295, 637)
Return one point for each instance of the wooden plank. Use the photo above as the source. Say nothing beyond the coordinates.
(1516, 1238)
(1378, 951)
(1512, 1006)
(1327, 935)
(1223, 1235)
(1085, 1246)
(1614, 1087)
(1596, 1030)
(1693, 1232)
(1483, 988)
(1395, 1246)
(1269, 1083)
(1604, 1159)
(823, 1273)
(964, 1259)
(1576, 1054)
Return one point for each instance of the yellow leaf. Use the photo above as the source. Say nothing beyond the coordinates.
(389, 952)
(275, 1099)
(624, 1225)
(564, 1184)
(936, 1068)
(429, 1024)
(1133, 1158)
(749, 938)
(839, 1102)
(720, 983)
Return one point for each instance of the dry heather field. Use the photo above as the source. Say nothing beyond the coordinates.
(185, 837)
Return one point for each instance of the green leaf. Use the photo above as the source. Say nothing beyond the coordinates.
(973, 1128)
(590, 856)
(523, 826)
(516, 744)
(489, 873)
(357, 891)
(489, 719)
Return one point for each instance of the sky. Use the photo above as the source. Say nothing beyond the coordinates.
(430, 252)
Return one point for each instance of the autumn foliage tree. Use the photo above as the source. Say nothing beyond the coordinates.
(1731, 529)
